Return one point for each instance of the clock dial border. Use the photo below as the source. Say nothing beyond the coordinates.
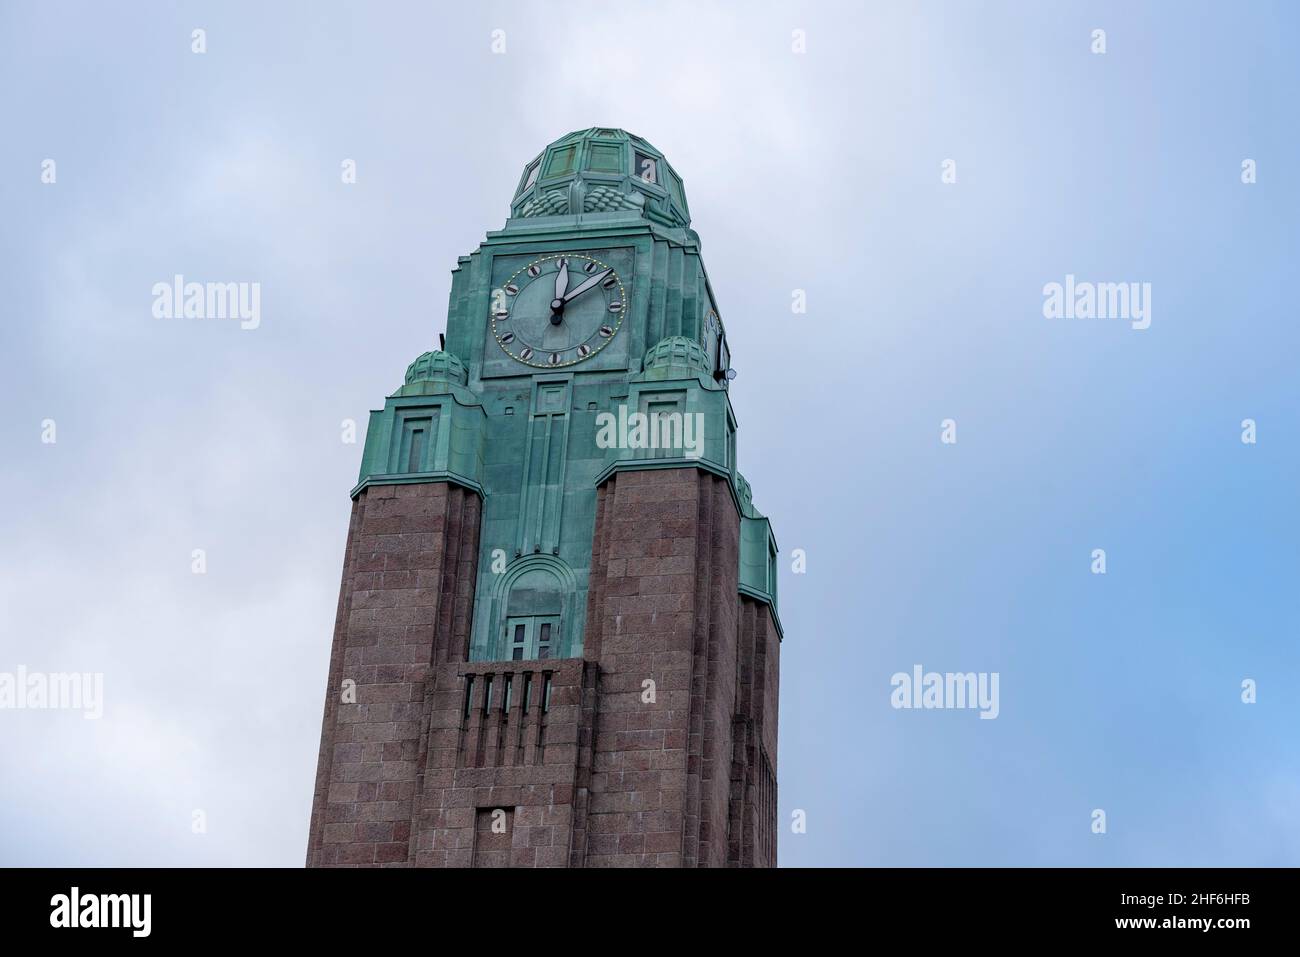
(512, 282)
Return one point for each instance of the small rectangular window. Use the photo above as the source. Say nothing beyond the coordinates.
(416, 462)
(606, 158)
(562, 161)
(771, 572)
(675, 188)
(493, 836)
(645, 168)
(528, 637)
(411, 452)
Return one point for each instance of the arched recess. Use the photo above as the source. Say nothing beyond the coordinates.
(533, 611)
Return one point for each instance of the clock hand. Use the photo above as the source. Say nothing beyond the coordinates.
(562, 279)
(561, 284)
(587, 285)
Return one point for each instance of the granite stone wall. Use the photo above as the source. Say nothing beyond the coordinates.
(656, 748)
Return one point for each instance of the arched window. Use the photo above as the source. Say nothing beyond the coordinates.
(533, 616)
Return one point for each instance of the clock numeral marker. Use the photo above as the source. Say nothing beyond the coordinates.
(611, 282)
(511, 289)
(584, 350)
(615, 306)
(526, 354)
(501, 314)
(590, 267)
(606, 331)
(534, 270)
(508, 337)
(554, 359)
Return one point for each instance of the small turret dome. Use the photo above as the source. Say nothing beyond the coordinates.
(676, 357)
(436, 366)
(746, 495)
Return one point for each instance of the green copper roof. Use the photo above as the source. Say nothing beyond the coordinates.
(601, 170)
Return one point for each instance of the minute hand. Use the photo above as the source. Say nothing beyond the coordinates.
(575, 293)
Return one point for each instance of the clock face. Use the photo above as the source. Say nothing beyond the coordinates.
(711, 331)
(558, 310)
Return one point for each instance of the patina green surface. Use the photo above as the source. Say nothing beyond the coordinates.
(534, 441)
(601, 170)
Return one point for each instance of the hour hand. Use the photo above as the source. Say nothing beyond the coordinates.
(561, 284)
(562, 279)
(587, 285)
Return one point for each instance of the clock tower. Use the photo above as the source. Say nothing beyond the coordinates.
(557, 640)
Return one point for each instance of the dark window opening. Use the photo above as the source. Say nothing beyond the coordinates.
(646, 168)
(417, 451)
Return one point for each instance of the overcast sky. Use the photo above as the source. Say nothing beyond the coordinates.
(818, 171)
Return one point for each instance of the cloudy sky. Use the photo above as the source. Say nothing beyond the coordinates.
(818, 171)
